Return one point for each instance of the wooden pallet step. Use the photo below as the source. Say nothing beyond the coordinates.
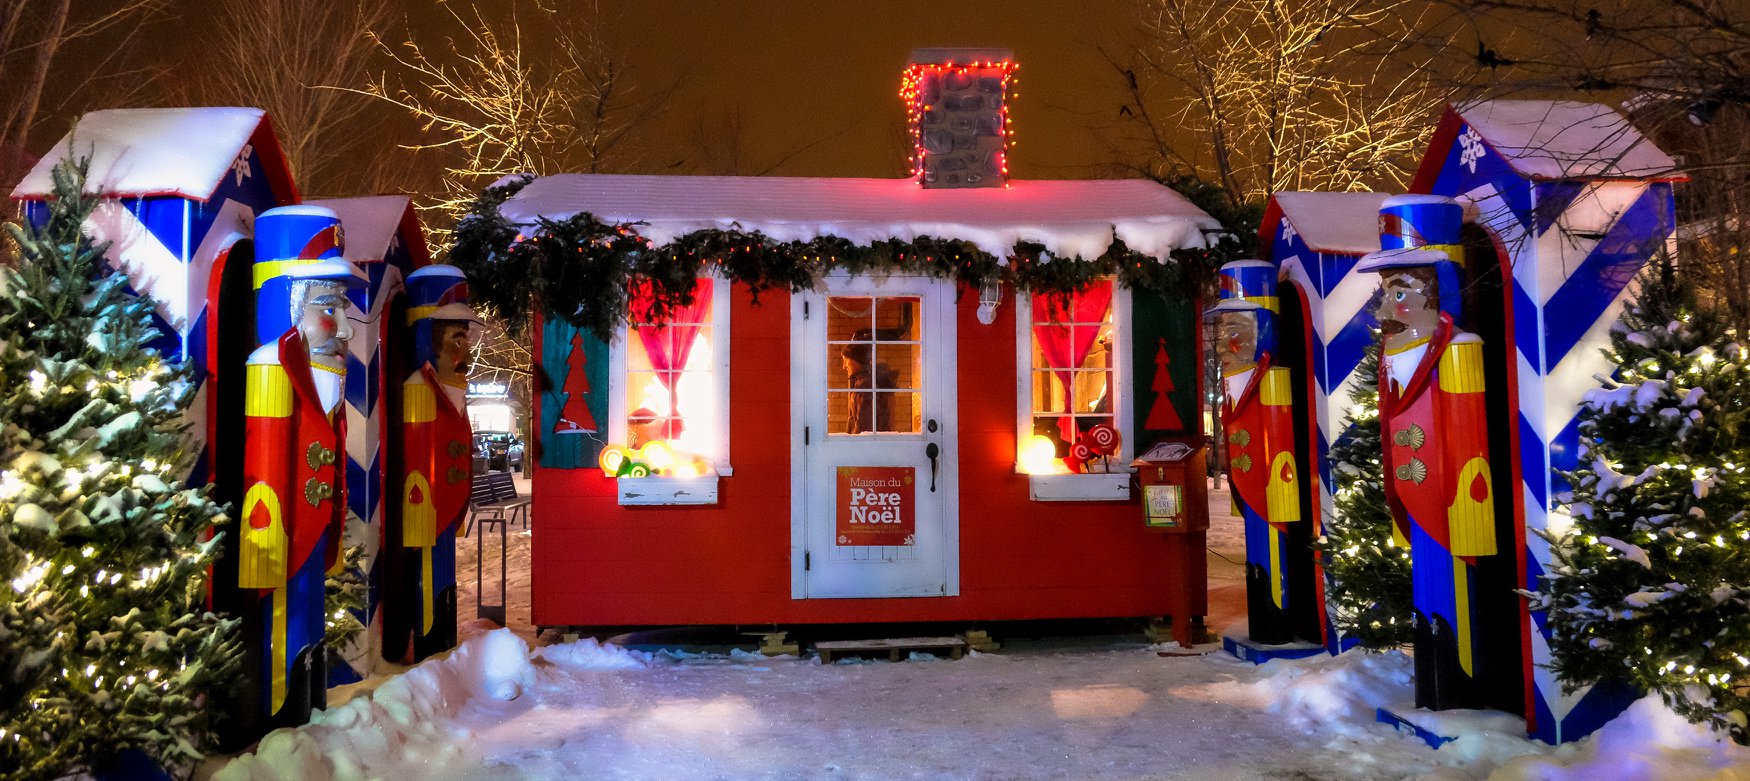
(894, 647)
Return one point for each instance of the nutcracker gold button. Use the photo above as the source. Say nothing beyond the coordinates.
(318, 456)
(455, 475)
(1416, 471)
(1413, 437)
(457, 449)
(315, 491)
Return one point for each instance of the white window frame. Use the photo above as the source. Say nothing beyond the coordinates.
(619, 358)
(1110, 486)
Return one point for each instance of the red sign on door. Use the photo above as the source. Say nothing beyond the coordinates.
(876, 505)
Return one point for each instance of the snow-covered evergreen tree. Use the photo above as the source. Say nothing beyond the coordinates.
(104, 637)
(1651, 582)
(1369, 577)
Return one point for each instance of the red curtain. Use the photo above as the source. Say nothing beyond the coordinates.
(668, 345)
(1066, 346)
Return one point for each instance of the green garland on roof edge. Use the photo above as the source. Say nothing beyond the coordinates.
(580, 269)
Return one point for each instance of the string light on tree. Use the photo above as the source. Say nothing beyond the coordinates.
(1652, 545)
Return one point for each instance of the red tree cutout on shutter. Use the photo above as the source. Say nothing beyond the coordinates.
(1161, 415)
(574, 418)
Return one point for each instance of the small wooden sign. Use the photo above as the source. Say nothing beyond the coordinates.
(1165, 505)
(877, 506)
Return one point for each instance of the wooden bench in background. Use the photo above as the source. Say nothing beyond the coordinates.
(493, 499)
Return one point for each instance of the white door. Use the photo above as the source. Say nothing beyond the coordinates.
(876, 508)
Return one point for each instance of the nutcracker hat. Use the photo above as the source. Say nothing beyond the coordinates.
(436, 293)
(1249, 280)
(295, 244)
(1422, 231)
(1420, 221)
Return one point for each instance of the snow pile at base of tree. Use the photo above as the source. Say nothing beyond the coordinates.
(1082, 708)
(408, 720)
(1648, 741)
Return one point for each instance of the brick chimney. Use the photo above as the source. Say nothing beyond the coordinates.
(956, 103)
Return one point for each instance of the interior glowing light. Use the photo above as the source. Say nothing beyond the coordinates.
(659, 455)
(1039, 456)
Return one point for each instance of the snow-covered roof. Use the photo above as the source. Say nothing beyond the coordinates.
(1561, 139)
(1070, 218)
(1341, 223)
(371, 223)
(150, 151)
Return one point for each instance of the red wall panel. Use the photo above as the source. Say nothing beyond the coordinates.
(596, 563)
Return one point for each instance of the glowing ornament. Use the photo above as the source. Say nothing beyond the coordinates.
(658, 455)
(1039, 456)
(613, 459)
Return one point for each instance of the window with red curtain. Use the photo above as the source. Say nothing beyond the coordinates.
(671, 382)
(1073, 358)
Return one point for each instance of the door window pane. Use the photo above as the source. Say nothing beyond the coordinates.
(874, 356)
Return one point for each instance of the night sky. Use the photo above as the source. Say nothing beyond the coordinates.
(814, 83)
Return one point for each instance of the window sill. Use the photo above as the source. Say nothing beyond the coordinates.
(654, 491)
(1109, 487)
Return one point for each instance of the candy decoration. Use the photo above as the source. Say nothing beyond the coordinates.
(1103, 439)
(614, 459)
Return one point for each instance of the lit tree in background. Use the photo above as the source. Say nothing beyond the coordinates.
(263, 56)
(1652, 579)
(1369, 588)
(104, 636)
(491, 107)
(41, 79)
(1262, 96)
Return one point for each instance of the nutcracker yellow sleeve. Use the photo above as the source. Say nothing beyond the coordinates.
(1282, 492)
(1470, 517)
(418, 506)
(263, 551)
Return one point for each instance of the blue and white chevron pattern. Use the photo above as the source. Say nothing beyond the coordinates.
(1337, 303)
(1574, 248)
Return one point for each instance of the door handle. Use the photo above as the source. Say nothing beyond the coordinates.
(932, 451)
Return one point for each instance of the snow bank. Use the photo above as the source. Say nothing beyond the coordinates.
(1337, 693)
(588, 654)
(1648, 741)
(410, 720)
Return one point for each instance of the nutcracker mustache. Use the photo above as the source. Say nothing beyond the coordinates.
(1391, 327)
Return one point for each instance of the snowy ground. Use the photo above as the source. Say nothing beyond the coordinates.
(1082, 707)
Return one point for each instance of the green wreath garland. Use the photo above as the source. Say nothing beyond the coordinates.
(581, 270)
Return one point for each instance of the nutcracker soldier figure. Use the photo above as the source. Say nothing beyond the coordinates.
(1433, 419)
(437, 452)
(293, 498)
(1259, 427)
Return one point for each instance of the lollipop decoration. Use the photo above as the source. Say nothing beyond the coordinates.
(1101, 441)
(654, 458)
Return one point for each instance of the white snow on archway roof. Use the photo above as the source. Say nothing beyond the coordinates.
(371, 223)
(1564, 139)
(1069, 218)
(1339, 223)
(150, 151)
